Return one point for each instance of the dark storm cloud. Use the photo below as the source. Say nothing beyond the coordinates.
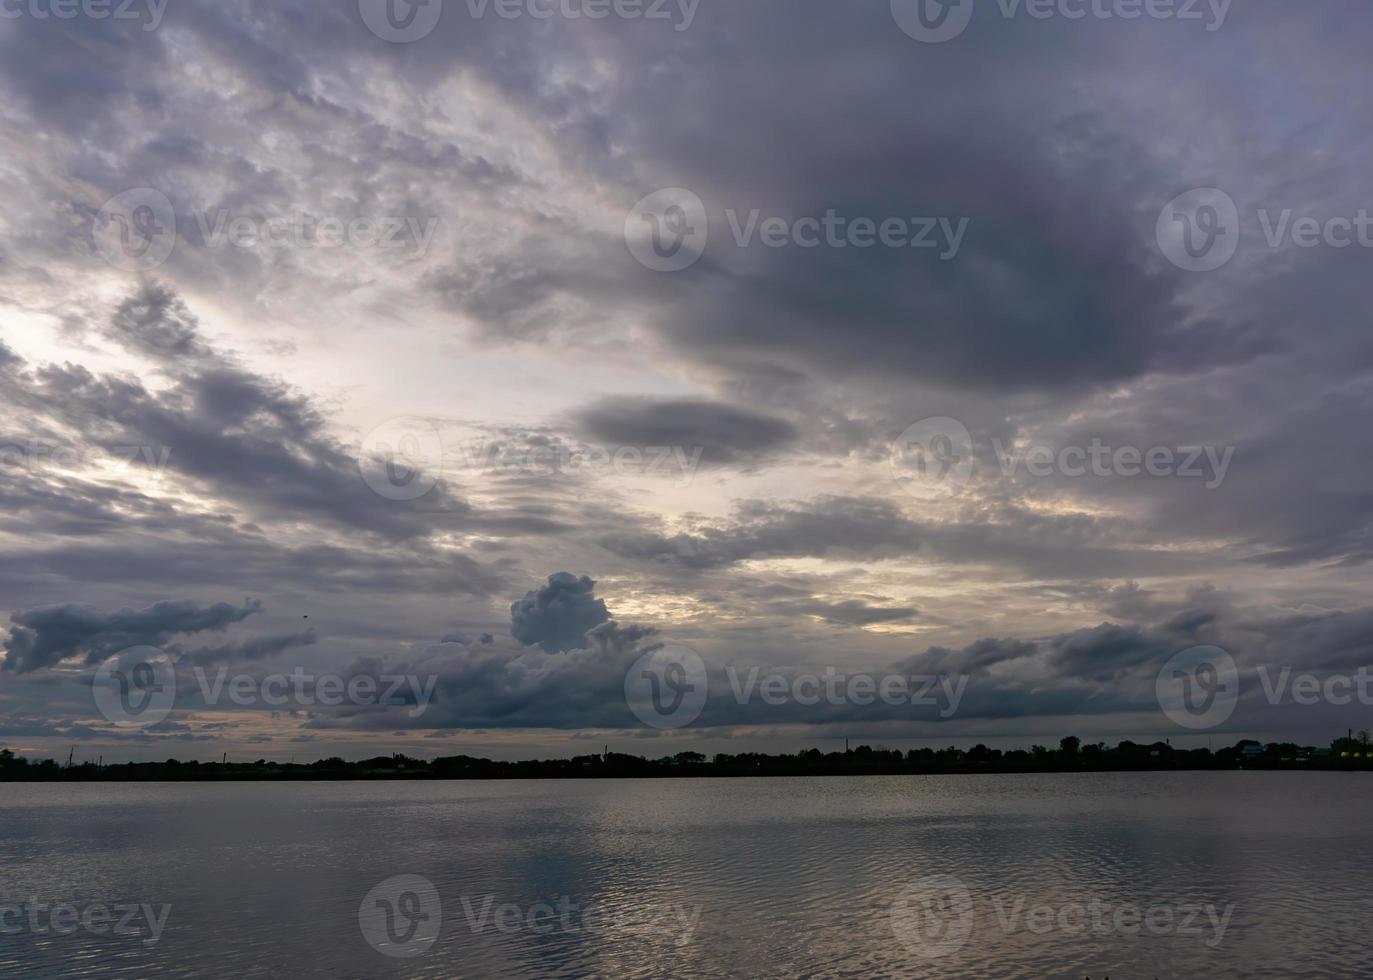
(46, 636)
(724, 433)
(1046, 291)
(1335, 640)
(1056, 284)
(1113, 666)
(1305, 490)
(1104, 652)
(1094, 672)
(975, 658)
(558, 616)
(484, 686)
(1152, 630)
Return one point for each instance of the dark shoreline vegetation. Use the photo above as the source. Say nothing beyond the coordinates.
(1071, 756)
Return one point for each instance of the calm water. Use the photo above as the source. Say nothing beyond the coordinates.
(1156, 875)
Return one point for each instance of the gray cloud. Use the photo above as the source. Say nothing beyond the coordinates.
(1058, 321)
(724, 433)
(252, 438)
(879, 530)
(975, 658)
(856, 612)
(48, 635)
(258, 648)
(558, 616)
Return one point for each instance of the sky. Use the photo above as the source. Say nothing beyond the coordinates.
(511, 349)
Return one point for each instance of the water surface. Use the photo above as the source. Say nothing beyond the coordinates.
(1061, 876)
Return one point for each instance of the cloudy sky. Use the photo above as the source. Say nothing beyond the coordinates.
(503, 343)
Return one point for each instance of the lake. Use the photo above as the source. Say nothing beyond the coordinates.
(1207, 875)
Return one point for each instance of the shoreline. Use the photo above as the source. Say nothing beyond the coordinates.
(1344, 755)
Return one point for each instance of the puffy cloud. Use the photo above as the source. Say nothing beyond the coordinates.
(558, 616)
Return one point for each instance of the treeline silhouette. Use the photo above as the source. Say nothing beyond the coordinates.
(1070, 756)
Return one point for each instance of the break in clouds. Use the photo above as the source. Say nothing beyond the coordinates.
(376, 263)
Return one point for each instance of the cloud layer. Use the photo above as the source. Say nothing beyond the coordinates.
(251, 416)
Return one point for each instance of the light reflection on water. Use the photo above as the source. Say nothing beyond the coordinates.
(713, 878)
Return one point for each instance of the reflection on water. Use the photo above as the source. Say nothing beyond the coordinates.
(1127, 875)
